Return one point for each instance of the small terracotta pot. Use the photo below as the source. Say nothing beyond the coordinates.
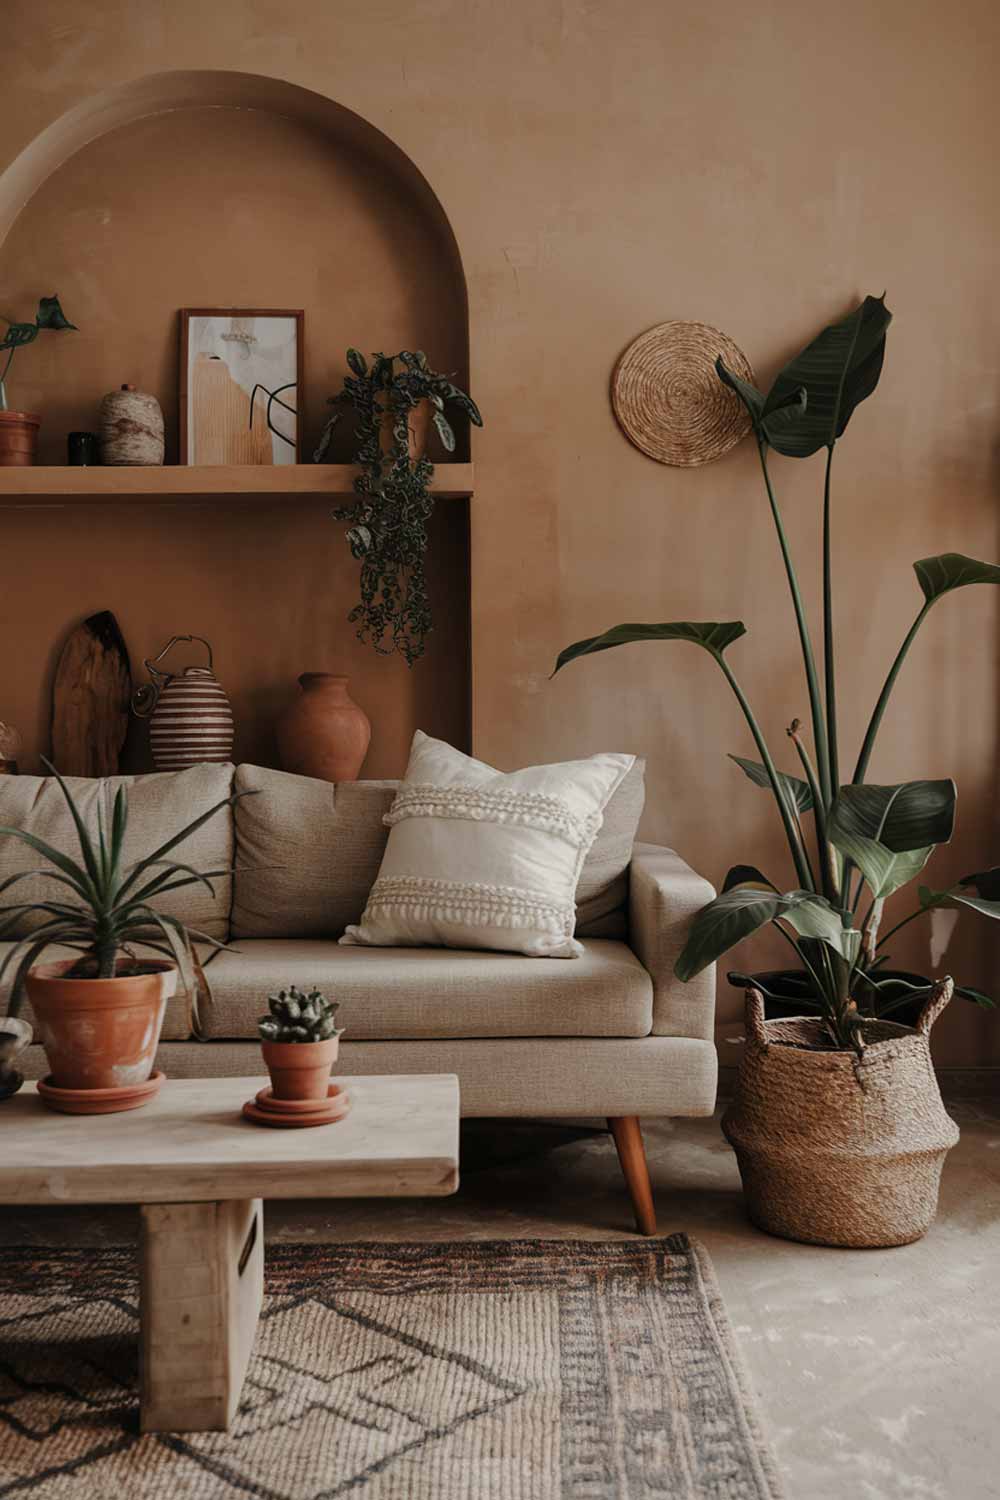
(100, 1033)
(300, 1070)
(18, 438)
(324, 733)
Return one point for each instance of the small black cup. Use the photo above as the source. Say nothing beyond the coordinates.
(82, 449)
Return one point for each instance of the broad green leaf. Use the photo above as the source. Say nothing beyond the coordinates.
(743, 909)
(957, 897)
(813, 917)
(904, 817)
(987, 883)
(797, 790)
(712, 635)
(51, 315)
(884, 871)
(839, 369)
(976, 996)
(357, 362)
(939, 575)
(722, 924)
(747, 875)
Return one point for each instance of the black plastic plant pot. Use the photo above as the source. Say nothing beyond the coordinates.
(790, 992)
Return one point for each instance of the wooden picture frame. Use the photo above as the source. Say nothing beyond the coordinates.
(210, 336)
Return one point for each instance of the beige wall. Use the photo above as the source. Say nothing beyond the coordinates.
(606, 167)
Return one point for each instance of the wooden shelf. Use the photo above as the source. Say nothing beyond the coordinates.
(224, 484)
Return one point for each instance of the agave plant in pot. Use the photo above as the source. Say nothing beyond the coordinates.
(300, 1041)
(837, 1123)
(99, 1013)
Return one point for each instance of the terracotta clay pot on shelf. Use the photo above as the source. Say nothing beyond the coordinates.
(324, 733)
(18, 438)
(301, 1070)
(100, 1033)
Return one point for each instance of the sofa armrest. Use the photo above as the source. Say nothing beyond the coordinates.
(664, 896)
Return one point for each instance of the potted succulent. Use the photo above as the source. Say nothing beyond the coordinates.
(19, 429)
(300, 1041)
(395, 399)
(98, 1015)
(838, 1174)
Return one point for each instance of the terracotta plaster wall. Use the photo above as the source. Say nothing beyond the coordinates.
(604, 168)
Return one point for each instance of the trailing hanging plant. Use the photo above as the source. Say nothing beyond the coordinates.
(866, 838)
(49, 315)
(388, 520)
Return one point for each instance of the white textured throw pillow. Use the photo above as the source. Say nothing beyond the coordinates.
(479, 859)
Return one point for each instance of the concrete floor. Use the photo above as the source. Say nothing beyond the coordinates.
(877, 1370)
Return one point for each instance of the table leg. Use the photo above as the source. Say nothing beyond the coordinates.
(201, 1284)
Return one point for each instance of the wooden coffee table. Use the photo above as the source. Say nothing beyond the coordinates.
(199, 1173)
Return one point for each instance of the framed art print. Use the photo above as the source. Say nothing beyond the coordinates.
(240, 385)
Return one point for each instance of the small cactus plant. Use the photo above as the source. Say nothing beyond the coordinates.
(297, 1016)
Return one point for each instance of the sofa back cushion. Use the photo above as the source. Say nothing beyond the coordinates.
(308, 852)
(602, 890)
(159, 806)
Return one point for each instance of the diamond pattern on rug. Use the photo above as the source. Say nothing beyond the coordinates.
(464, 1372)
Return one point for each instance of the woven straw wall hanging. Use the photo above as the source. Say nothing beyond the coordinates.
(670, 402)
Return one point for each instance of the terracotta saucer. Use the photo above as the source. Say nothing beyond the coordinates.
(266, 1100)
(334, 1109)
(99, 1101)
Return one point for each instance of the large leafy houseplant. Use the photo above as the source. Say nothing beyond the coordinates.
(388, 530)
(868, 841)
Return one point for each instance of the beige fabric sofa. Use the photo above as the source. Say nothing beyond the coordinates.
(612, 1034)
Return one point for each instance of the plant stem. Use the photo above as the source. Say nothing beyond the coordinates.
(802, 959)
(791, 832)
(827, 870)
(829, 669)
(861, 768)
(809, 661)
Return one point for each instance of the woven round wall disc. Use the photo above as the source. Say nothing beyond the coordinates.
(670, 402)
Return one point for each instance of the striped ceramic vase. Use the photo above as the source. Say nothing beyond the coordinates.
(192, 721)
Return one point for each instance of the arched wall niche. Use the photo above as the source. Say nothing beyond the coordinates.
(223, 189)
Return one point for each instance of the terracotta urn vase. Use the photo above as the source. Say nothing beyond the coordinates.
(100, 1033)
(324, 733)
(300, 1070)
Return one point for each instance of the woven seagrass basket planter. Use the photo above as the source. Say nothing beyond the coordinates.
(836, 1150)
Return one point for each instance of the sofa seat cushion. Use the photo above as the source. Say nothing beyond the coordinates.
(405, 993)
(177, 1022)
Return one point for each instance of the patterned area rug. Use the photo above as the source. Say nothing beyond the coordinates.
(532, 1370)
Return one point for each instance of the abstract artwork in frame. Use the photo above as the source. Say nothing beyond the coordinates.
(240, 385)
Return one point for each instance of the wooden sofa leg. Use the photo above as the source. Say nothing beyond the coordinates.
(632, 1155)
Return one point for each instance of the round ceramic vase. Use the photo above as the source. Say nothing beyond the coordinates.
(131, 428)
(324, 733)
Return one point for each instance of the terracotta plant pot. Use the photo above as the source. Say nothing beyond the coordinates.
(324, 733)
(300, 1070)
(100, 1033)
(18, 437)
